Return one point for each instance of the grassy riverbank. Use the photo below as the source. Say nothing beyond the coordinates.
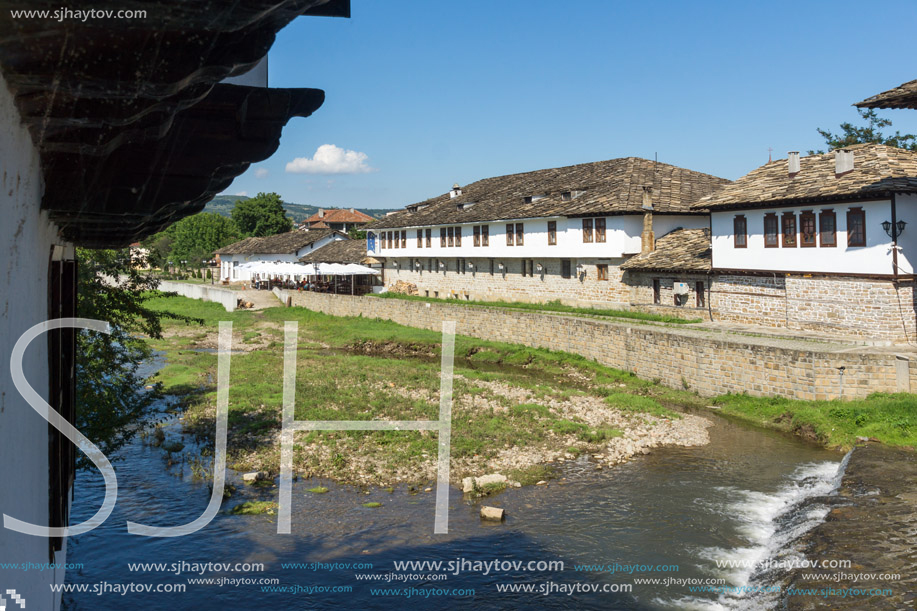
(550, 306)
(889, 418)
(515, 408)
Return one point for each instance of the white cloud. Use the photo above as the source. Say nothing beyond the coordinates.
(331, 159)
(243, 193)
(261, 172)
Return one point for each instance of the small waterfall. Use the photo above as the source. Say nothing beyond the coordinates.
(770, 524)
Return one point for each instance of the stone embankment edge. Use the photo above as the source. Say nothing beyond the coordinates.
(706, 363)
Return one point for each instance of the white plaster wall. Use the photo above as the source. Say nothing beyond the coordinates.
(622, 236)
(874, 258)
(26, 238)
(243, 275)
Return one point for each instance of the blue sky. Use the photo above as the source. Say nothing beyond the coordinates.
(422, 94)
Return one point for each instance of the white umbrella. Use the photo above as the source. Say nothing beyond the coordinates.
(352, 269)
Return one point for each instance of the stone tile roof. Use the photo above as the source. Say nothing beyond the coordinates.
(339, 215)
(599, 188)
(878, 171)
(282, 243)
(902, 96)
(340, 251)
(131, 119)
(682, 250)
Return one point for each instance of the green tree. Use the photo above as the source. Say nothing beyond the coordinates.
(356, 234)
(871, 132)
(109, 384)
(261, 215)
(196, 237)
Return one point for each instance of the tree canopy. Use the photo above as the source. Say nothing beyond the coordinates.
(261, 215)
(194, 238)
(871, 132)
(109, 383)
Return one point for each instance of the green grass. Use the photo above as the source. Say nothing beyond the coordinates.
(361, 369)
(372, 505)
(318, 490)
(890, 418)
(252, 508)
(550, 306)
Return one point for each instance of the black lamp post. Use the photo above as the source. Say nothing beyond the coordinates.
(893, 230)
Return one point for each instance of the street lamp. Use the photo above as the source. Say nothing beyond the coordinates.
(893, 230)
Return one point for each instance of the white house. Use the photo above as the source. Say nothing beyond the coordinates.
(556, 234)
(286, 247)
(100, 150)
(825, 242)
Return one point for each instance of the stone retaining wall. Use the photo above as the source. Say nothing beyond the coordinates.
(225, 297)
(710, 363)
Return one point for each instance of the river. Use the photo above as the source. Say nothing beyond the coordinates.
(745, 497)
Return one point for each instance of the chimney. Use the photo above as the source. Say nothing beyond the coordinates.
(352, 210)
(321, 213)
(455, 192)
(792, 159)
(648, 238)
(843, 162)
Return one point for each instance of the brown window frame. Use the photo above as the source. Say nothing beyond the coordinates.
(62, 303)
(420, 238)
(601, 271)
(510, 234)
(566, 268)
(476, 235)
(429, 237)
(450, 234)
(657, 291)
(552, 233)
(785, 219)
(491, 266)
(442, 237)
(397, 241)
(740, 228)
(485, 235)
(404, 238)
(771, 238)
(600, 230)
(520, 233)
(853, 213)
(822, 231)
(805, 217)
(458, 237)
(587, 231)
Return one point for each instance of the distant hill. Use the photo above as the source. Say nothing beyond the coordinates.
(223, 205)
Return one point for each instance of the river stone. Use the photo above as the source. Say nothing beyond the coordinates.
(492, 513)
(468, 483)
(254, 476)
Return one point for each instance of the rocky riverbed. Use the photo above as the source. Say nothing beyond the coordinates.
(874, 526)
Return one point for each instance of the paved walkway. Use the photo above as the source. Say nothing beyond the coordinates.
(261, 299)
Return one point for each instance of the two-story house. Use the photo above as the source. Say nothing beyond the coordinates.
(826, 242)
(555, 234)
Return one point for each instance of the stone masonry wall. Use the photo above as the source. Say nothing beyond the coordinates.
(836, 305)
(709, 363)
(509, 284)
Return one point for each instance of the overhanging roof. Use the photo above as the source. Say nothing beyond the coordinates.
(132, 126)
(902, 96)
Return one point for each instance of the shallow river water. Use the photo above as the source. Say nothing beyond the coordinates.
(745, 498)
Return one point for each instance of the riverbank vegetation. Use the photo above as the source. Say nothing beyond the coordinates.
(516, 409)
(889, 418)
(549, 306)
